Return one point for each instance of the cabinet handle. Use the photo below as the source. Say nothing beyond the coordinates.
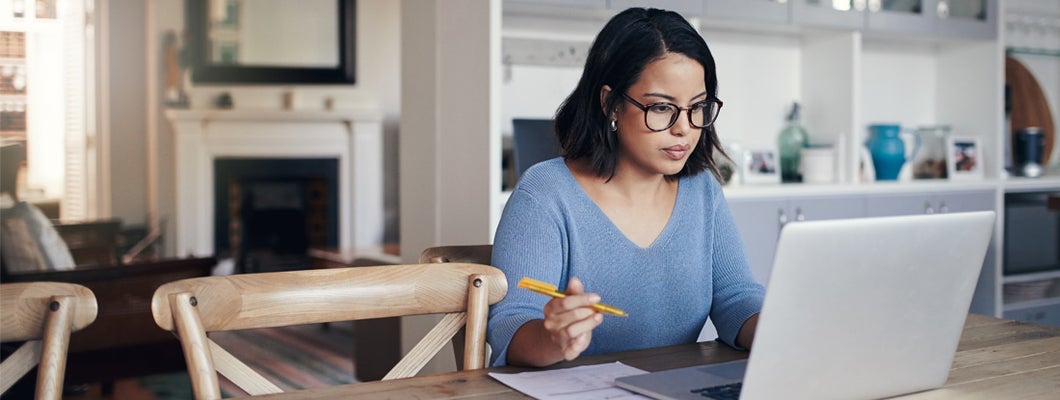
(943, 208)
(798, 215)
(782, 218)
(927, 208)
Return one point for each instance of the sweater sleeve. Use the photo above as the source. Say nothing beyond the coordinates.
(737, 296)
(528, 243)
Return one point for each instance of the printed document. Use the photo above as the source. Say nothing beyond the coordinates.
(584, 382)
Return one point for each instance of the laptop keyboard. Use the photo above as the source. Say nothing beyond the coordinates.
(723, 392)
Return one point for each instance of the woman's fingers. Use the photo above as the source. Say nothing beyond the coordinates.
(570, 321)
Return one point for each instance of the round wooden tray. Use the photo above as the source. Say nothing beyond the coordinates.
(1029, 105)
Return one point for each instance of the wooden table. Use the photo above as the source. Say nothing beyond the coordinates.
(996, 359)
(376, 342)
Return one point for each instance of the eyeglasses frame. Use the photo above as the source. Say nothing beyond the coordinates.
(673, 120)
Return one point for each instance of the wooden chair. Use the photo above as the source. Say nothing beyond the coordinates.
(192, 307)
(43, 314)
(475, 254)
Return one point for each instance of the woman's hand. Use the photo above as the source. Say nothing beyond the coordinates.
(570, 321)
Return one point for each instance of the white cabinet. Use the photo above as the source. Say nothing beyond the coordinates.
(967, 18)
(948, 18)
(929, 203)
(873, 62)
(770, 11)
(760, 222)
(688, 8)
(986, 293)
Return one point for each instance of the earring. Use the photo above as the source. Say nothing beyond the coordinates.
(614, 125)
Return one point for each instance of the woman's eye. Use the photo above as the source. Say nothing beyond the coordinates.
(660, 108)
(700, 107)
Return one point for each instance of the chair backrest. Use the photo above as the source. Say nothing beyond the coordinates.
(475, 254)
(193, 307)
(43, 314)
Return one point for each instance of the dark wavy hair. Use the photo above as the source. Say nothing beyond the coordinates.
(629, 42)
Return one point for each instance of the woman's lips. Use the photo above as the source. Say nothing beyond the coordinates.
(677, 152)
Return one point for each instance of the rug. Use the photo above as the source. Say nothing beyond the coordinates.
(294, 358)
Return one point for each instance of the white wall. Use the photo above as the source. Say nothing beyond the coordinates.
(127, 110)
(450, 146)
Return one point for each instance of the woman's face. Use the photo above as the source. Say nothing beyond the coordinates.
(676, 79)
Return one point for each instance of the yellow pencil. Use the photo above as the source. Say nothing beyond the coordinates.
(550, 290)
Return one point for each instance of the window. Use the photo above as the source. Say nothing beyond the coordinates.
(46, 77)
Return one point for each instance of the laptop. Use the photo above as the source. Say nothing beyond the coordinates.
(855, 309)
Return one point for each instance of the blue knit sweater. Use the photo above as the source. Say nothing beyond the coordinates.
(551, 231)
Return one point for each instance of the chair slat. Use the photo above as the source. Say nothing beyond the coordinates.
(239, 373)
(19, 363)
(428, 347)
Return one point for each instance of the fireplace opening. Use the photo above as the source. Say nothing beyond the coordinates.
(269, 212)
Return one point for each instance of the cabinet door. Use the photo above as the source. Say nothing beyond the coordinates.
(915, 16)
(845, 14)
(687, 8)
(759, 222)
(601, 4)
(965, 202)
(890, 205)
(823, 208)
(967, 18)
(771, 11)
(983, 302)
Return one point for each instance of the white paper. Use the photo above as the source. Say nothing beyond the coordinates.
(584, 382)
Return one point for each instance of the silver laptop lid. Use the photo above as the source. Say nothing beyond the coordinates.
(866, 308)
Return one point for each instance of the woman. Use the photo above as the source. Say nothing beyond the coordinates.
(626, 214)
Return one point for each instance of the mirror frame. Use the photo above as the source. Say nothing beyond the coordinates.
(202, 72)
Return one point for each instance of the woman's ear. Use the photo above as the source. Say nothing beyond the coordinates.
(604, 92)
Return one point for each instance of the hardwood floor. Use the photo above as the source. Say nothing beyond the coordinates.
(294, 357)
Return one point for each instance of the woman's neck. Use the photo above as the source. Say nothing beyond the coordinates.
(627, 184)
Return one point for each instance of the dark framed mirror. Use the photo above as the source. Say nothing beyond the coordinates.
(270, 41)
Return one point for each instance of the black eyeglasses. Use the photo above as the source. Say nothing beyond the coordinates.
(661, 116)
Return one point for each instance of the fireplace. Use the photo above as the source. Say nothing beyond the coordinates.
(351, 140)
(270, 211)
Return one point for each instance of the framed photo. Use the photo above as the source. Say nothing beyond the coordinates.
(760, 166)
(964, 158)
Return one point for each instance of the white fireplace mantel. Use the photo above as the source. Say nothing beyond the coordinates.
(354, 137)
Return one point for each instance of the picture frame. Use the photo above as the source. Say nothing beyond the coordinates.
(964, 158)
(760, 165)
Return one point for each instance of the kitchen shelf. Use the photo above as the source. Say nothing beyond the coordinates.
(1023, 305)
(1032, 277)
(1033, 51)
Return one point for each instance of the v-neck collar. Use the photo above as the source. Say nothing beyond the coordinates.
(597, 212)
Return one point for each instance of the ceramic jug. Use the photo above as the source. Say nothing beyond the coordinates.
(888, 149)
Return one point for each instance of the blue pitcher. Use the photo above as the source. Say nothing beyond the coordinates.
(888, 150)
